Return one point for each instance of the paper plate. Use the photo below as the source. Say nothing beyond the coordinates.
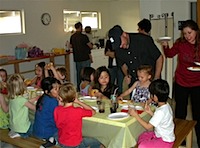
(88, 98)
(124, 102)
(197, 63)
(118, 116)
(95, 108)
(31, 88)
(194, 68)
(126, 107)
(165, 38)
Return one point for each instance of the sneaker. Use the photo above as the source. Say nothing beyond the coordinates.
(51, 142)
(14, 135)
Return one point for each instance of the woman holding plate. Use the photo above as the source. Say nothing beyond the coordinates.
(187, 78)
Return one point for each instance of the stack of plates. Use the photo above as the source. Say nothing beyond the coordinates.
(165, 38)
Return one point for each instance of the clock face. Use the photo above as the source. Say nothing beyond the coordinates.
(46, 18)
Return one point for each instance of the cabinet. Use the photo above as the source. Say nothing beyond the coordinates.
(51, 57)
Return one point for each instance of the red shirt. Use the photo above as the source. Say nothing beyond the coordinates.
(186, 58)
(69, 123)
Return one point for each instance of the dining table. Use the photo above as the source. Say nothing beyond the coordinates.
(113, 133)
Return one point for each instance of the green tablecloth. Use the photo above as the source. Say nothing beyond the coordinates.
(113, 134)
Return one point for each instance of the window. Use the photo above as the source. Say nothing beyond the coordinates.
(89, 18)
(11, 22)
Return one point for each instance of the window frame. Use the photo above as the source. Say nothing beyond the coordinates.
(22, 22)
(70, 22)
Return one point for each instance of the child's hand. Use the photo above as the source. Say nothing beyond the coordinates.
(147, 108)
(46, 67)
(120, 98)
(132, 112)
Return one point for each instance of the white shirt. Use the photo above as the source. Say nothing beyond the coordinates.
(162, 120)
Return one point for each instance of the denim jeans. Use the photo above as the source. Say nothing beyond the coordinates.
(79, 67)
(116, 77)
(87, 142)
(28, 133)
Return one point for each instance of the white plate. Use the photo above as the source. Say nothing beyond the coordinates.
(31, 88)
(194, 68)
(197, 63)
(95, 108)
(39, 92)
(118, 116)
(88, 98)
(139, 108)
(165, 38)
(126, 107)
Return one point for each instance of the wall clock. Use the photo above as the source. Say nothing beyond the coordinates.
(46, 18)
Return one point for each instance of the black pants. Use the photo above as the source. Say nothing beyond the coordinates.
(181, 97)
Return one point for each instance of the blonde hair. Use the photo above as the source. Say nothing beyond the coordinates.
(16, 86)
(68, 93)
(148, 69)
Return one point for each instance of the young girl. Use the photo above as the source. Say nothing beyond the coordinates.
(19, 106)
(161, 121)
(87, 78)
(69, 120)
(44, 124)
(39, 72)
(140, 91)
(103, 84)
(3, 79)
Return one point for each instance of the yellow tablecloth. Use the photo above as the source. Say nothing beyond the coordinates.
(112, 133)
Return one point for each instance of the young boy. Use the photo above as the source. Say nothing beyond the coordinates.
(161, 121)
(69, 119)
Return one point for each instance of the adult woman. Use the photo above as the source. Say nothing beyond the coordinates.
(187, 83)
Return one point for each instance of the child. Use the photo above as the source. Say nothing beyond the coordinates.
(3, 75)
(19, 106)
(39, 72)
(69, 119)
(3, 113)
(44, 124)
(58, 73)
(87, 77)
(161, 121)
(103, 84)
(3, 79)
(140, 91)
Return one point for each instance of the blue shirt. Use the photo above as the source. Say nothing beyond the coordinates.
(44, 125)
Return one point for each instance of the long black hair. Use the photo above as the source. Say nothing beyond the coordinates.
(47, 86)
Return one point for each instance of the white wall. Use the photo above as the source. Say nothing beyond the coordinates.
(181, 9)
(47, 37)
(125, 13)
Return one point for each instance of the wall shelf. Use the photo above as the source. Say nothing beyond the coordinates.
(51, 58)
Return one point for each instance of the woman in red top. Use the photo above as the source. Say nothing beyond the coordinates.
(187, 81)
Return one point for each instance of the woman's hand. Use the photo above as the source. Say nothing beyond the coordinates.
(164, 44)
